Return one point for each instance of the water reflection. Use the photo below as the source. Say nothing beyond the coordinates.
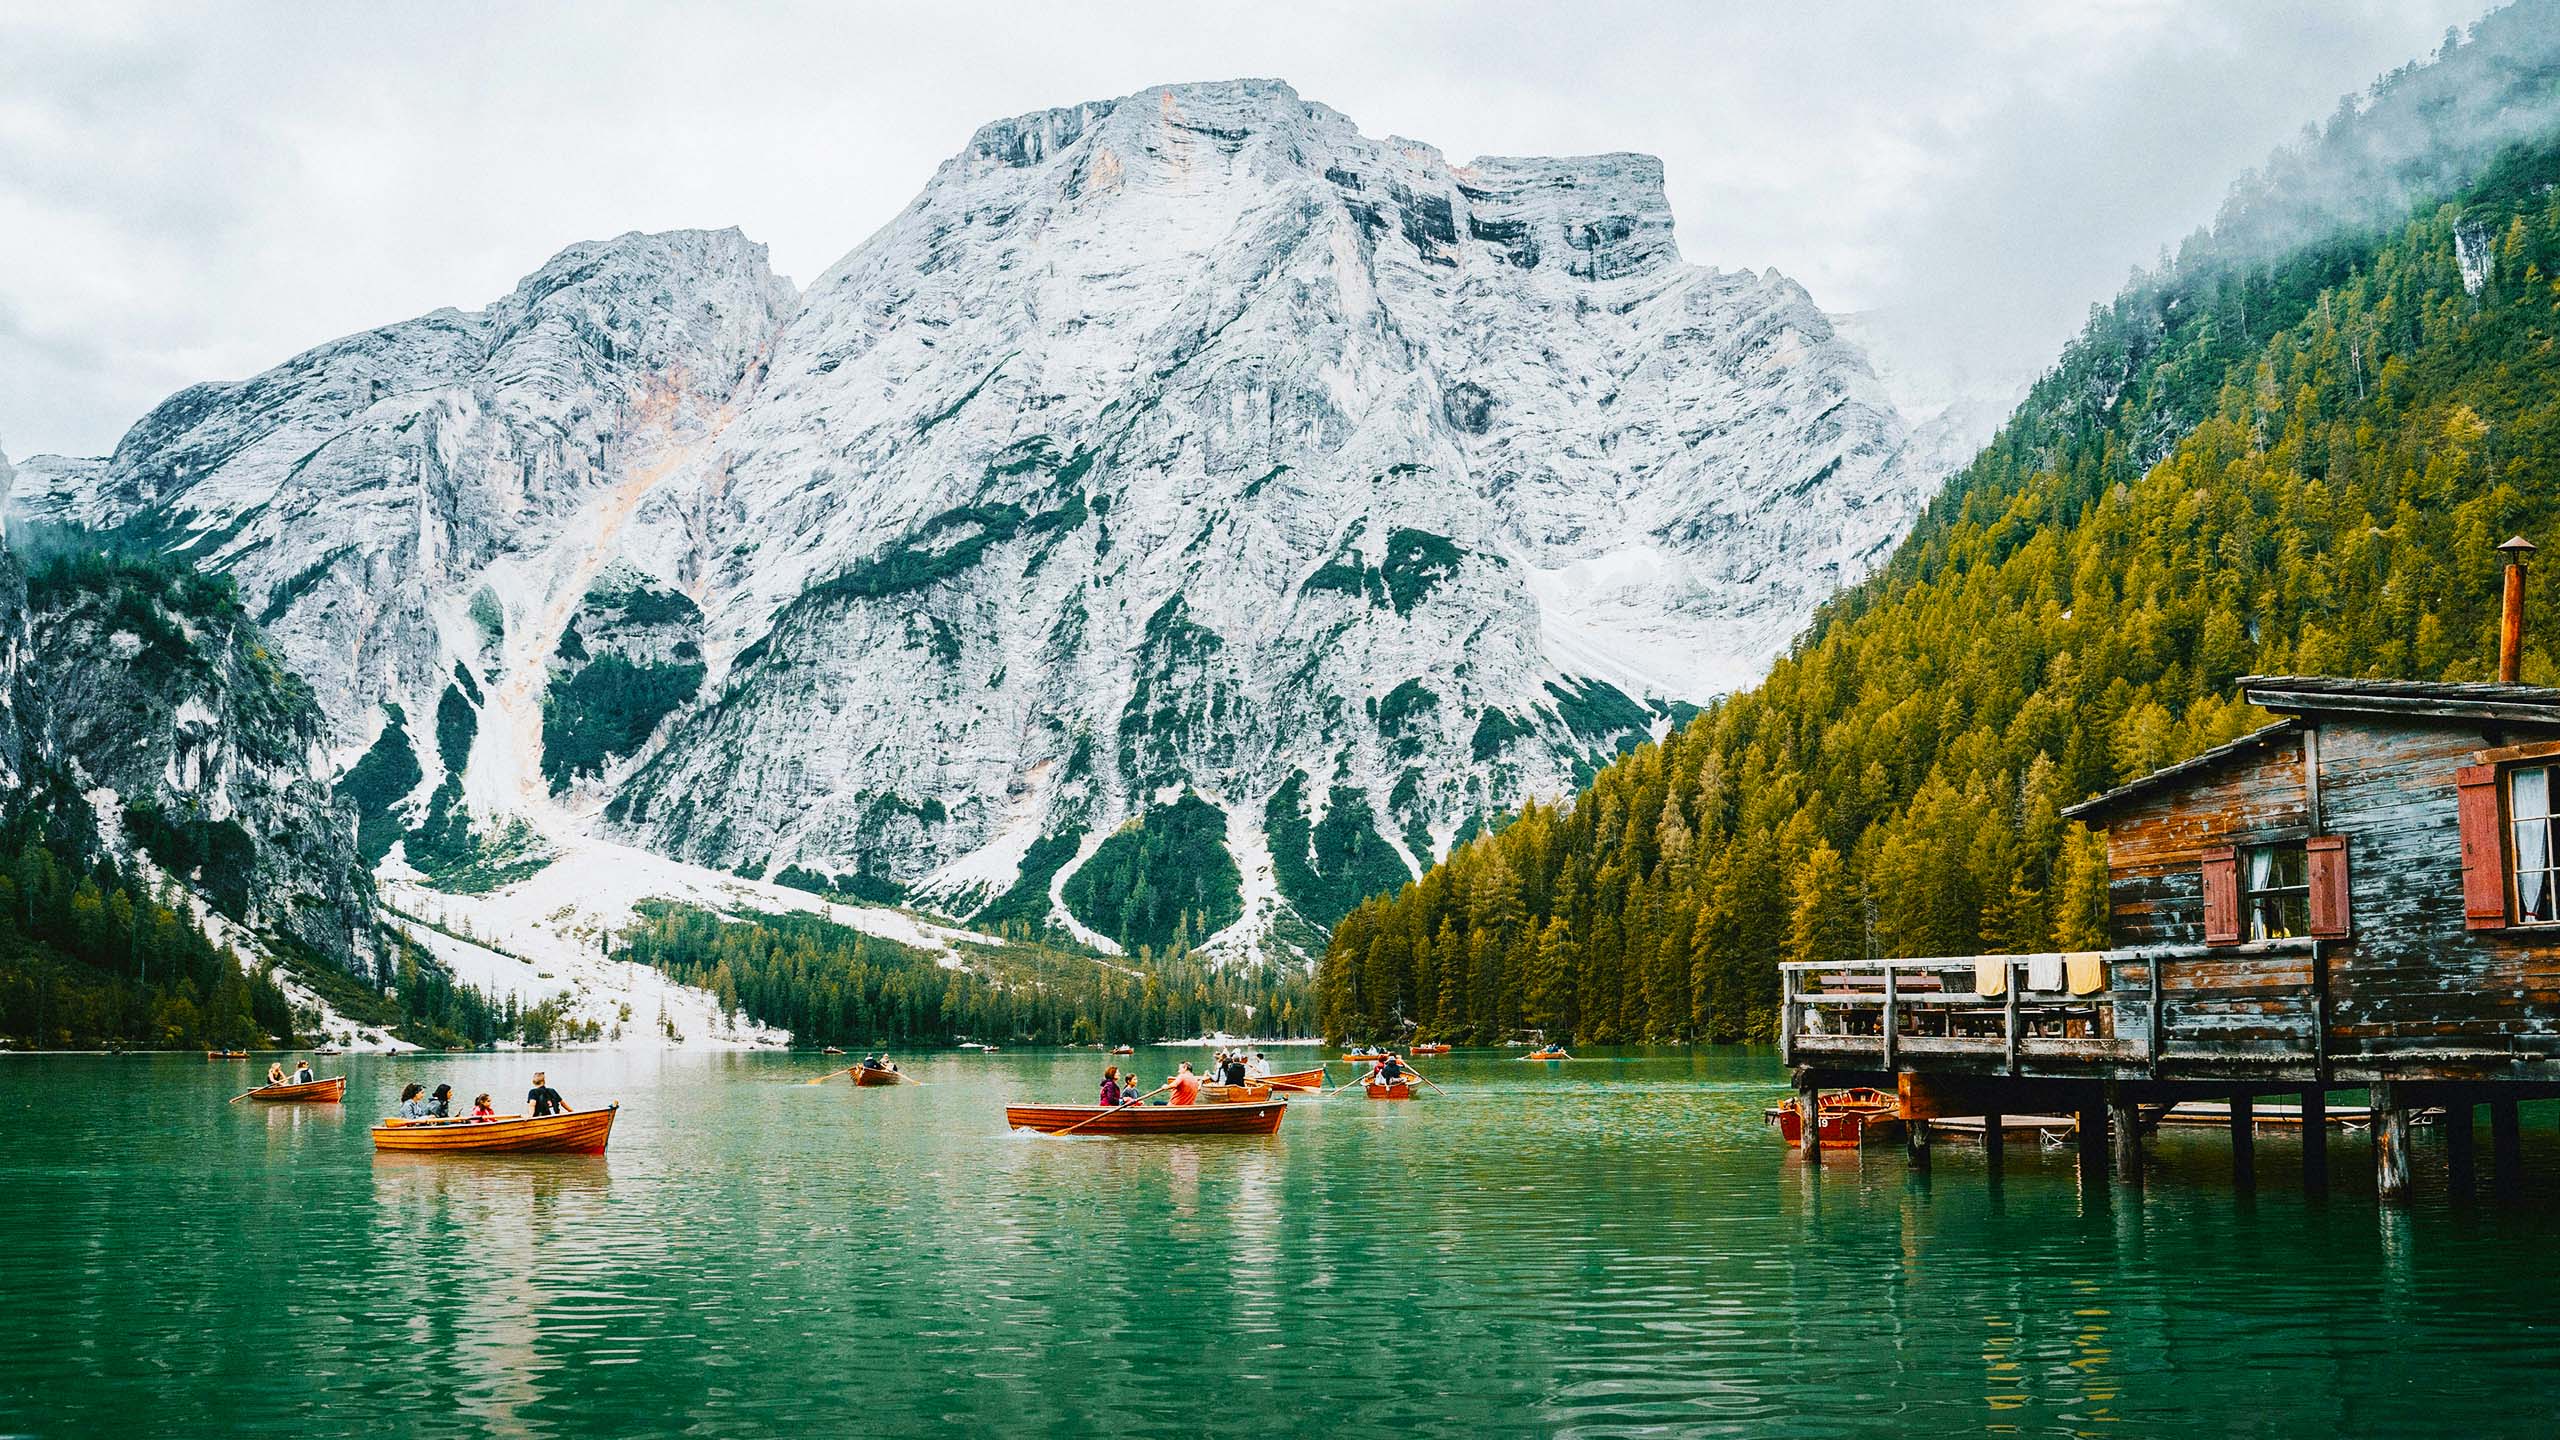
(1600, 1249)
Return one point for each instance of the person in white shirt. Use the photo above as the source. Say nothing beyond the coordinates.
(1260, 1069)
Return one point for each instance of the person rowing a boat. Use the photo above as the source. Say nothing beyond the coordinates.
(543, 1100)
(1186, 1087)
(1390, 1070)
(275, 1073)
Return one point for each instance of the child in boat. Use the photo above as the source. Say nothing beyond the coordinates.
(1186, 1087)
(481, 1109)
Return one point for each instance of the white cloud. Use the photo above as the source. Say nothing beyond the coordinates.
(195, 194)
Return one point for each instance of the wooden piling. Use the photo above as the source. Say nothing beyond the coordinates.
(2459, 1148)
(2244, 1140)
(1809, 1109)
(2504, 1155)
(1915, 1136)
(2124, 1133)
(2315, 1142)
(2093, 1139)
(1995, 1143)
(2390, 1144)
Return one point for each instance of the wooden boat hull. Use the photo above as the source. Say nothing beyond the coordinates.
(1251, 1118)
(1544, 1055)
(226, 1054)
(1298, 1080)
(877, 1077)
(1849, 1121)
(1430, 1049)
(1363, 1057)
(1397, 1091)
(322, 1092)
(1234, 1094)
(580, 1132)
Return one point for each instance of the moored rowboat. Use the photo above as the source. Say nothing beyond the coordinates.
(579, 1132)
(1363, 1057)
(1235, 1094)
(1247, 1119)
(1390, 1090)
(1850, 1119)
(867, 1075)
(1298, 1080)
(323, 1091)
(226, 1054)
(1546, 1055)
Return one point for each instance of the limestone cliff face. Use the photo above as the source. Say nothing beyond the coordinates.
(139, 692)
(1192, 439)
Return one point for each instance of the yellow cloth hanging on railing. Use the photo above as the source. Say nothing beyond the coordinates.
(1991, 977)
(2086, 970)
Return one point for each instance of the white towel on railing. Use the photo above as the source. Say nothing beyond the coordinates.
(2044, 972)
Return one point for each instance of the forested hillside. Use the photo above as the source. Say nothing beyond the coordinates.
(2288, 449)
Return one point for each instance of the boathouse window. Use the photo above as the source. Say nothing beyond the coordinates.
(2276, 891)
(2537, 869)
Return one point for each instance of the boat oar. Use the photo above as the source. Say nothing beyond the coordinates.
(1116, 1109)
(1425, 1079)
(243, 1095)
(830, 1075)
(1354, 1080)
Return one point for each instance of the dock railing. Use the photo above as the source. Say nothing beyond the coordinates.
(2144, 1001)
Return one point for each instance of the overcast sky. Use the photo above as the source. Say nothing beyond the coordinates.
(197, 194)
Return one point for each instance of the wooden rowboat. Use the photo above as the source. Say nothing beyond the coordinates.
(1247, 1119)
(1390, 1090)
(1546, 1055)
(1248, 1094)
(832, 1050)
(1363, 1057)
(226, 1054)
(326, 1091)
(1850, 1119)
(866, 1075)
(1124, 1050)
(1298, 1080)
(579, 1132)
(1432, 1049)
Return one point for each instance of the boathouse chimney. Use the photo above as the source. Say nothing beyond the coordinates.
(2511, 615)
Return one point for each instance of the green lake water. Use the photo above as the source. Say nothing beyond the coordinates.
(1611, 1247)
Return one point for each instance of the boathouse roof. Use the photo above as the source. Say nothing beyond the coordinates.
(2301, 697)
(2168, 776)
(2438, 700)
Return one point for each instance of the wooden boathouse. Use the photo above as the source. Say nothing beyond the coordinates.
(2364, 894)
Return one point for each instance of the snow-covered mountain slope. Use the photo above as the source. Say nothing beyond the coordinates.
(1188, 515)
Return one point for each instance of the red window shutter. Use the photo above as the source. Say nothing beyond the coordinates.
(2222, 896)
(2328, 857)
(2484, 848)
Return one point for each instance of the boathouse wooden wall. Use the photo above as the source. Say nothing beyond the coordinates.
(2410, 982)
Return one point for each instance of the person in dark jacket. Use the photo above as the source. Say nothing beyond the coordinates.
(543, 1100)
(1111, 1090)
(440, 1103)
